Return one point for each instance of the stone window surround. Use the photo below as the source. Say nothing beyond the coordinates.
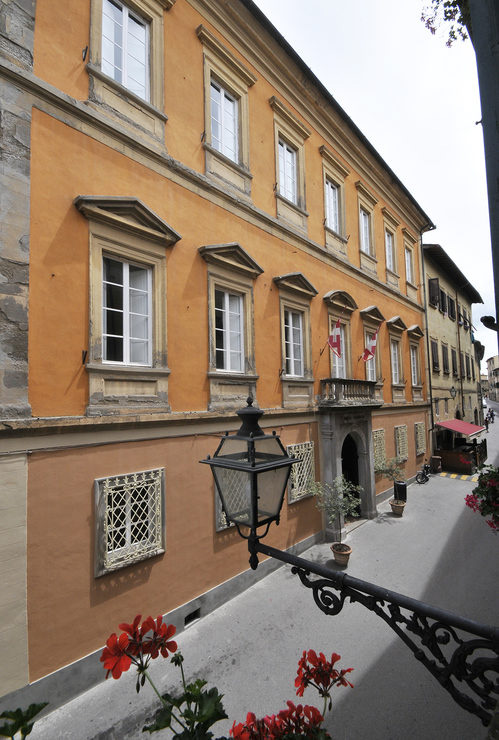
(396, 328)
(231, 268)
(415, 334)
(410, 243)
(391, 225)
(367, 202)
(341, 305)
(336, 172)
(149, 114)
(125, 228)
(109, 561)
(289, 129)
(220, 65)
(295, 294)
(372, 318)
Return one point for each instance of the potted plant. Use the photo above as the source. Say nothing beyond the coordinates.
(337, 499)
(392, 470)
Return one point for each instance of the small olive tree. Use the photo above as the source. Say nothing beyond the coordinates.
(337, 499)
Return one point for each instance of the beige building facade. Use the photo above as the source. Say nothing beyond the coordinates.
(453, 365)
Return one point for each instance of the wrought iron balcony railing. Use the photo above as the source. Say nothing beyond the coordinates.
(348, 392)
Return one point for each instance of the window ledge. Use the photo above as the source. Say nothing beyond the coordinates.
(291, 212)
(142, 370)
(112, 97)
(227, 375)
(234, 173)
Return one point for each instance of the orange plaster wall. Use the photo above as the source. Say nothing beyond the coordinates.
(59, 43)
(70, 612)
(66, 164)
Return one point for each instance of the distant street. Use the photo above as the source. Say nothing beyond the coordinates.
(439, 552)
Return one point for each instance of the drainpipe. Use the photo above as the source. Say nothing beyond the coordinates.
(461, 369)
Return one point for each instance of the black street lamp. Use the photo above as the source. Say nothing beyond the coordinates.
(251, 471)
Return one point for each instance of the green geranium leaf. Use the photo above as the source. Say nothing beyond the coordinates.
(20, 720)
(162, 720)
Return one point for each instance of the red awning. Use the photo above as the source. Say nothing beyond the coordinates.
(461, 427)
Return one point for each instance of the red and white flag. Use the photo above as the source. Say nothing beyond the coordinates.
(370, 351)
(334, 340)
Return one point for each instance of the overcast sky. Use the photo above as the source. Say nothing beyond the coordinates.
(417, 102)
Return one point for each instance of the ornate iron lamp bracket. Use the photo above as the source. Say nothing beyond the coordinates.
(467, 668)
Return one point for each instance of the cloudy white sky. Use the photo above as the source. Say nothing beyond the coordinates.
(417, 101)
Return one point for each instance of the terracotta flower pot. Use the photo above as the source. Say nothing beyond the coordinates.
(397, 506)
(341, 553)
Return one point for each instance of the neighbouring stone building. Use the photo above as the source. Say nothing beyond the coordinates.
(188, 216)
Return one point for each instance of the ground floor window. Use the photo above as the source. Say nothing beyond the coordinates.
(129, 519)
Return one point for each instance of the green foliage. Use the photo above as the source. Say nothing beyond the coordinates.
(454, 13)
(339, 498)
(390, 469)
(19, 720)
(199, 709)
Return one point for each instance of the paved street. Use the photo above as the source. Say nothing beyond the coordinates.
(439, 552)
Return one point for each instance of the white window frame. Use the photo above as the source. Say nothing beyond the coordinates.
(228, 141)
(414, 352)
(390, 250)
(110, 68)
(288, 183)
(395, 361)
(229, 365)
(127, 313)
(294, 364)
(113, 501)
(409, 265)
(333, 212)
(339, 365)
(365, 231)
(371, 365)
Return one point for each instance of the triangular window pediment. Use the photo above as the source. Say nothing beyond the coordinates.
(396, 324)
(373, 314)
(415, 332)
(297, 283)
(341, 301)
(231, 256)
(129, 214)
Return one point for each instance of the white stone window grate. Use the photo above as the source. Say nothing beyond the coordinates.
(302, 473)
(401, 443)
(379, 448)
(420, 436)
(129, 519)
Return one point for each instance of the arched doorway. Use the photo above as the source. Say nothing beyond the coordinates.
(350, 462)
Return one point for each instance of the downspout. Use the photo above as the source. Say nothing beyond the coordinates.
(461, 367)
(428, 227)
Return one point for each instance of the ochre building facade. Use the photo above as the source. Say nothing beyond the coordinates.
(190, 216)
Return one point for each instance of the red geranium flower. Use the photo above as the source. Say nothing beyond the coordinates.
(114, 656)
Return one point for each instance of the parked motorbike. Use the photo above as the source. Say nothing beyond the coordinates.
(424, 474)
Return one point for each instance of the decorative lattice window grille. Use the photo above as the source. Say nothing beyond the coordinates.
(420, 435)
(401, 444)
(303, 472)
(379, 448)
(129, 519)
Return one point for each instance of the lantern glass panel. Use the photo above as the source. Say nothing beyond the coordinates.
(271, 485)
(234, 487)
(234, 448)
(267, 448)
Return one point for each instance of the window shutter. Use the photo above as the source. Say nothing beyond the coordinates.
(433, 291)
(434, 356)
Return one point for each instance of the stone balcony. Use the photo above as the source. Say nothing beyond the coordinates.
(348, 392)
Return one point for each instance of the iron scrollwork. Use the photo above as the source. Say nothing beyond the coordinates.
(467, 668)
